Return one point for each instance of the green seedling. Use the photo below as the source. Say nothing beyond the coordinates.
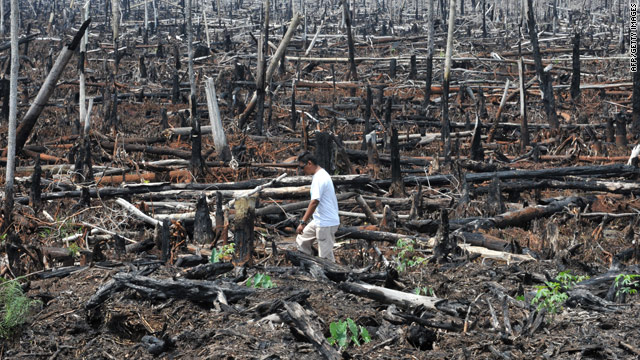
(405, 256)
(261, 281)
(626, 284)
(552, 295)
(14, 307)
(424, 290)
(567, 280)
(74, 249)
(340, 331)
(219, 255)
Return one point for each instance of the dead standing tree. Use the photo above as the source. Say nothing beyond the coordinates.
(31, 117)
(352, 50)
(446, 126)
(13, 114)
(275, 60)
(429, 75)
(544, 75)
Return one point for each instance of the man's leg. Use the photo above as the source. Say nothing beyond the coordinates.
(307, 237)
(326, 239)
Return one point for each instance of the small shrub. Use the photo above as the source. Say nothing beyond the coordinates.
(14, 307)
(405, 257)
(567, 280)
(340, 333)
(74, 249)
(626, 284)
(219, 255)
(261, 281)
(552, 294)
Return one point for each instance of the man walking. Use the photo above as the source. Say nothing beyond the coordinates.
(323, 208)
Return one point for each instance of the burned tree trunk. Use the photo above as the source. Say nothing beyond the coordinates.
(165, 240)
(197, 164)
(477, 152)
(202, 227)
(430, 45)
(413, 70)
(261, 70)
(35, 196)
(275, 60)
(326, 151)
(243, 231)
(220, 226)
(13, 114)
(367, 117)
(546, 83)
(524, 127)
(397, 185)
(352, 50)
(446, 126)
(575, 76)
(31, 117)
(621, 130)
(445, 244)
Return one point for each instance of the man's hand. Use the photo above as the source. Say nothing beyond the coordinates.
(300, 229)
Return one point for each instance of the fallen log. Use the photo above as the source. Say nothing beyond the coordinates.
(487, 241)
(133, 189)
(616, 187)
(299, 320)
(61, 272)
(183, 154)
(524, 216)
(372, 235)
(404, 160)
(618, 170)
(208, 271)
(326, 270)
(496, 255)
(437, 321)
(269, 307)
(276, 209)
(201, 291)
(389, 296)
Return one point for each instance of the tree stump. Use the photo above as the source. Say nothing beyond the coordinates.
(243, 230)
(202, 227)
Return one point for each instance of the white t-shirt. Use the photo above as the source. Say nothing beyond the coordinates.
(326, 213)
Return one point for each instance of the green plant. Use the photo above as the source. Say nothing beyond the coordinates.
(520, 297)
(567, 280)
(74, 249)
(405, 256)
(425, 290)
(340, 333)
(219, 255)
(550, 296)
(553, 294)
(626, 284)
(260, 280)
(45, 232)
(14, 307)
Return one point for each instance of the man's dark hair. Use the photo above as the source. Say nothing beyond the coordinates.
(307, 156)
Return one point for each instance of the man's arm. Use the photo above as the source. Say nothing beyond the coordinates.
(307, 215)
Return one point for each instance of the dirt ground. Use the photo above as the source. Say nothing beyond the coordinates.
(492, 298)
(64, 329)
